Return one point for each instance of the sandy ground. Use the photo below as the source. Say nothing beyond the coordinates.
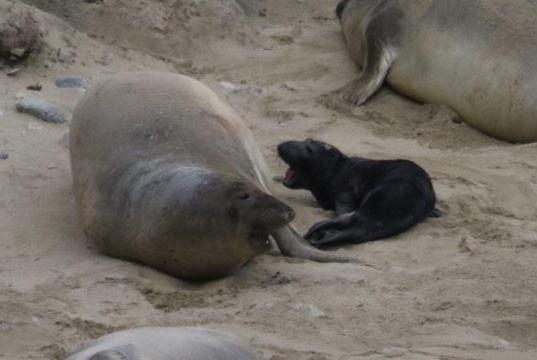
(459, 287)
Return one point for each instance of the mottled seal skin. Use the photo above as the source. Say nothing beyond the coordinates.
(372, 199)
(166, 343)
(166, 174)
(477, 57)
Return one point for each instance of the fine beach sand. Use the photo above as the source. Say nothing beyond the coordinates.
(463, 286)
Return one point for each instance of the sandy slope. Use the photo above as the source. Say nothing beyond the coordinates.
(459, 287)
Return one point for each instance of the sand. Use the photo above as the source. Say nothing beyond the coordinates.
(463, 286)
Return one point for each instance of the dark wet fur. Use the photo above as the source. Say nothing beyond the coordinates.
(372, 199)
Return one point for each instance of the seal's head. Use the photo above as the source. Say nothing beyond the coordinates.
(225, 210)
(214, 222)
(308, 161)
(255, 213)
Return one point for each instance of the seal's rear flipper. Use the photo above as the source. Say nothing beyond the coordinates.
(378, 43)
(436, 213)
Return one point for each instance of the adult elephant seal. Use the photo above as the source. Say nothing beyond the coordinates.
(166, 343)
(477, 57)
(166, 174)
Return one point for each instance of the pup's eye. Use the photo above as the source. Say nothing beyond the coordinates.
(243, 196)
(309, 149)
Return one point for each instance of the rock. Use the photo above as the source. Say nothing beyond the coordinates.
(180, 64)
(13, 72)
(71, 82)
(19, 33)
(316, 312)
(35, 87)
(4, 156)
(229, 86)
(312, 310)
(34, 127)
(41, 109)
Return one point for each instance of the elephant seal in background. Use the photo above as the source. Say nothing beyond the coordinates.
(166, 343)
(477, 57)
(166, 174)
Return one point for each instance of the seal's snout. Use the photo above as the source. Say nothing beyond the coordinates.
(278, 214)
(283, 150)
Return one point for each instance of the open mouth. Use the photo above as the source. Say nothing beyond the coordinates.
(290, 177)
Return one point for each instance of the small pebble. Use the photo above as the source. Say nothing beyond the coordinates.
(71, 82)
(3, 156)
(41, 109)
(34, 127)
(13, 72)
(17, 52)
(229, 86)
(35, 87)
(311, 309)
(316, 312)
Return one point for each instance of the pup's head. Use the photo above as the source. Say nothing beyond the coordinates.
(309, 161)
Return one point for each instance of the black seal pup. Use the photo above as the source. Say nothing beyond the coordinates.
(372, 199)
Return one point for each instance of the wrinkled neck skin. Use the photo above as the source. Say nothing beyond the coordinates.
(157, 186)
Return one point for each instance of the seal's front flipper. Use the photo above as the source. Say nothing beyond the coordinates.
(331, 237)
(379, 57)
(338, 223)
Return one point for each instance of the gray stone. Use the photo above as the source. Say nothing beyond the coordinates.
(41, 109)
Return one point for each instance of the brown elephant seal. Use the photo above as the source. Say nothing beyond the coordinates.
(166, 174)
(166, 343)
(477, 57)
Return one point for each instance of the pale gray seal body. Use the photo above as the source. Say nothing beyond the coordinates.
(166, 174)
(477, 57)
(166, 343)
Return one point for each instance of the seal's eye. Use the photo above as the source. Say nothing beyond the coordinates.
(243, 196)
(309, 149)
